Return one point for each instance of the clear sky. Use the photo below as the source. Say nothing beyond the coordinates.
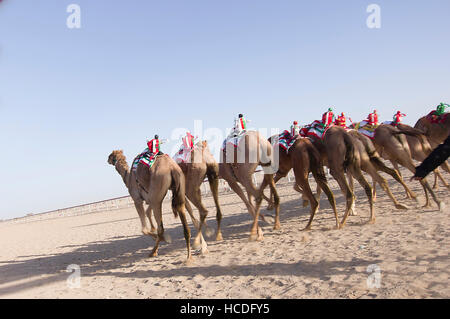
(68, 97)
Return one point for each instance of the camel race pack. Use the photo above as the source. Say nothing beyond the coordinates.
(146, 158)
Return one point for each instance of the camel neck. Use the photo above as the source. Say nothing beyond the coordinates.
(122, 169)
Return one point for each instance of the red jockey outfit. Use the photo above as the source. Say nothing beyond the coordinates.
(153, 145)
(398, 118)
(372, 119)
(188, 140)
(328, 118)
(341, 120)
(295, 129)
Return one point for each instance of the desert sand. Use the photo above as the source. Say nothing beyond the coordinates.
(410, 251)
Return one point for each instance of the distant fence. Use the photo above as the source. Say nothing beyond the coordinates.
(125, 202)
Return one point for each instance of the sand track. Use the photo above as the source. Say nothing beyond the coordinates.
(411, 249)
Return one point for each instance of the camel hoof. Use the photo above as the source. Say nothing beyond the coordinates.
(153, 254)
(353, 213)
(268, 219)
(189, 261)
(338, 226)
(253, 237)
(371, 221)
(307, 228)
(441, 206)
(401, 206)
(204, 251)
(197, 244)
(219, 237)
(277, 226)
(209, 232)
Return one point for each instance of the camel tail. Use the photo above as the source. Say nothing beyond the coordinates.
(178, 191)
(350, 152)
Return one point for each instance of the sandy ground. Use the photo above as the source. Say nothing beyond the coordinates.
(410, 251)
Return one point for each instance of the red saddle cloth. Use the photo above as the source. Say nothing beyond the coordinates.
(435, 119)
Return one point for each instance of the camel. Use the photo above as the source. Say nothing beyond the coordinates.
(304, 158)
(341, 155)
(154, 183)
(202, 164)
(237, 165)
(371, 163)
(392, 145)
(435, 132)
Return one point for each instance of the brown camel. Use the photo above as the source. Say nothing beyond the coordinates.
(238, 164)
(341, 154)
(371, 163)
(165, 174)
(435, 132)
(305, 158)
(202, 164)
(394, 147)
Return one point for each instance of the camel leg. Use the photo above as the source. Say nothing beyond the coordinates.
(158, 217)
(384, 185)
(348, 193)
(196, 199)
(140, 209)
(191, 214)
(438, 174)
(213, 180)
(256, 231)
(238, 190)
(352, 187)
(187, 233)
(277, 177)
(322, 183)
(395, 174)
(363, 182)
(268, 178)
(426, 187)
(301, 180)
(148, 212)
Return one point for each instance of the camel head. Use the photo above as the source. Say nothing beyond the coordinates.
(115, 156)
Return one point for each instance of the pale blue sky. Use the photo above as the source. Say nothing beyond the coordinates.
(68, 97)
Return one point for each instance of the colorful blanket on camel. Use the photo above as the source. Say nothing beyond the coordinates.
(437, 119)
(316, 129)
(286, 140)
(183, 155)
(146, 157)
(366, 129)
(233, 139)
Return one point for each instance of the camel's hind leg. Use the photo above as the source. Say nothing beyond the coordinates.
(268, 178)
(348, 193)
(379, 165)
(186, 231)
(148, 213)
(356, 172)
(437, 174)
(301, 180)
(199, 241)
(321, 181)
(157, 209)
(213, 180)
